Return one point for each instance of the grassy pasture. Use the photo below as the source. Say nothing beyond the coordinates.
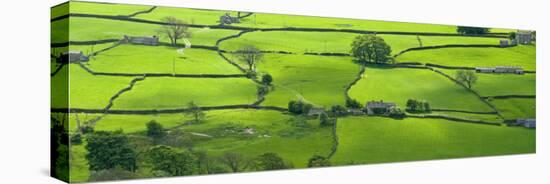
(59, 31)
(315, 79)
(78, 166)
(446, 40)
(399, 84)
(502, 84)
(514, 108)
(279, 135)
(139, 59)
(60, 10)
(191, 16)
(59, 88)
(167, 93)
(106, 8)
(87, 29)
(523, 56)
(301, 42)
(137, 123)
(377, 140)
(88, 91)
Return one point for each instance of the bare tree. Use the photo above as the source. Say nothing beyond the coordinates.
(250, 55)
(174, 29)
(467, 77)
(195, 112)
(235, 161)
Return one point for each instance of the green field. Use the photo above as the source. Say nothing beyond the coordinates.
(168, 93)
(137, 59)
(248, 127)
(523, 56)
(314, 79)
(514, 108)
(92, 96)
(89, 29)
(421, 84)
(106, 8)
(377, 140)
(502, 84)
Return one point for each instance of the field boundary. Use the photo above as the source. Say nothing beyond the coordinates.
(166, 111)
(509, 96)
(462, 111)
(450, 46)
(432, 116)
(162, 74)
(213, 26)
(142, 12)
(57, 69)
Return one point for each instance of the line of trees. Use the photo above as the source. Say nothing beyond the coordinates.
(414, 105)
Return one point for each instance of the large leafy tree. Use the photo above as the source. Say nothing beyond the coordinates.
(236, 162)
(155, 130)
(171, 160)
(270, 161)
(466, 77)
(108, 150)
(371, 48)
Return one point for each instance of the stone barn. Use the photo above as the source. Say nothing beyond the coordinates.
(142, 40)
(72, 57)
(524, 37)
(504, 43)
(527, 123)
(228, 19)
(379, 107)
(500, 69)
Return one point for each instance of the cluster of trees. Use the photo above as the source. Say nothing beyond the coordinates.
(338, 110)
(371, 48)
(472, 30)
(466, 77)
(414, 105)
(299, 107)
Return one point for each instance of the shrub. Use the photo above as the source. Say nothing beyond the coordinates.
(299, 107)
(155, 130)
(267, 79)
(76, 139)
(338, 110)
(352, 103)
(318, 161)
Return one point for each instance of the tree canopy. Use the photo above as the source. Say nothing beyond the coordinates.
(171, 160)
(108, 150)
(471, 30)
(318, 161)
(371, 48)
(270, 161)
(174, 29)
(250, 55)
(466, 77)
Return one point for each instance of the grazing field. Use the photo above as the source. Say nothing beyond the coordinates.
(94, 96)
(137, 59)
(106, 8)
(312, 42)
(514, 108)
(222, 106)
(376, 140)
(523, 56)
(59, 10)
(169, 93)
(420, 84)
(314, 79)
(273, 132)
(90, 29)
(501, 84)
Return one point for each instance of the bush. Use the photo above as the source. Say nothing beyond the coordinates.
(471, 30)
(318, 161)
(338, 110)
(155, 130)
(112, 174)
(352, 103)
(414, 105)
(267, 79)
(76, 139)
(299, 107)
(396, 113)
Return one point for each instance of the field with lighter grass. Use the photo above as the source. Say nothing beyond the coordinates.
(169, 93)
(421, 84)
(377, 140)
(137, 59)
(522, 56)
